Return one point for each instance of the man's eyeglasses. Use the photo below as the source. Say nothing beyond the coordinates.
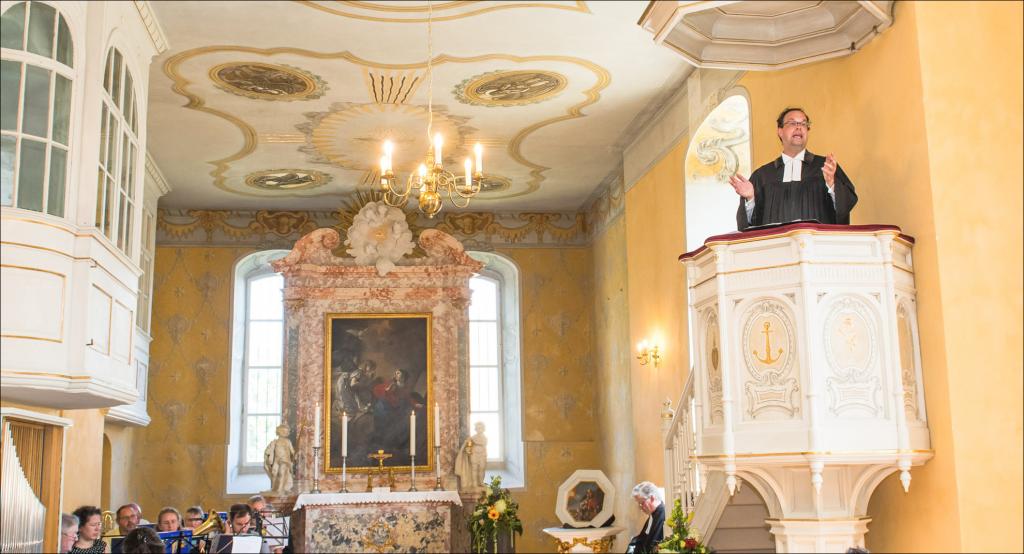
(800, 124)
(193, 519)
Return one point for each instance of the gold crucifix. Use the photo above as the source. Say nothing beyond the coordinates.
(768, 360)
(380, 456)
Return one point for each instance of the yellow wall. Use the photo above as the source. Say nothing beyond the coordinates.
(904, 118)
(83, 458)
(655, 237)
(559, 429)
(612, 360)
(180, 457)
(971, 57)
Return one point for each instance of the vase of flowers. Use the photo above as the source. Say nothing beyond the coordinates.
(495, 520)
(683, 538)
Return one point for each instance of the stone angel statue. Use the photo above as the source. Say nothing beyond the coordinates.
(471, 461)
(278, 460)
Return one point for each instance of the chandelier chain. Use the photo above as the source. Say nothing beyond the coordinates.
(430, 71)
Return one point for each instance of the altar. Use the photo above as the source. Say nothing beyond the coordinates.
(375, 521)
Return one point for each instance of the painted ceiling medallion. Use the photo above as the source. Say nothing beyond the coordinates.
(510, 88)
(264, 81)
(494, 183)
(286, 179)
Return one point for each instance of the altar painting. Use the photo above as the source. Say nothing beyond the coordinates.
(377, 372)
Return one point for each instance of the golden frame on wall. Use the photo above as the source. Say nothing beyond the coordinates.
(378, 369)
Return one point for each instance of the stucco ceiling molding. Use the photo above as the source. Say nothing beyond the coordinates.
(172, 69)
(765, 35)
(416, 12)
(156, 32)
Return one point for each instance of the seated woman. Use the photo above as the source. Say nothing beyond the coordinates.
(142, 540)
(169, 519)
(90, 526)
(648, 497)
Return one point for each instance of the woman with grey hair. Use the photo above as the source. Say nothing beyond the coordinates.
(68, 532)
(650, 500)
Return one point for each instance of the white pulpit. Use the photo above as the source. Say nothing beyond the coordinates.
(807, 381)
(374, 522)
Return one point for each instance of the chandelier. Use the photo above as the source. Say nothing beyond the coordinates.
(431, 180)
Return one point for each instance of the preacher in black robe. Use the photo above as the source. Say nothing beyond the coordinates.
(652, 533)
(808, 198)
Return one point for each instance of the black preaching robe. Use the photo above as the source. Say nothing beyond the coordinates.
(648, 539)
(808, 198)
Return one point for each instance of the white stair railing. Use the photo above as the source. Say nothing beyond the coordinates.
(685, 476)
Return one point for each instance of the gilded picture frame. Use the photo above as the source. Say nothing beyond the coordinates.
(378, 370)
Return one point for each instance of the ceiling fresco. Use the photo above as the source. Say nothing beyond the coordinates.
(285, 105)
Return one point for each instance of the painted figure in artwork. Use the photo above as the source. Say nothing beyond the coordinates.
(278, 460)
(471, 462)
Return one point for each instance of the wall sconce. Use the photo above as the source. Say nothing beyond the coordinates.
(648, 353)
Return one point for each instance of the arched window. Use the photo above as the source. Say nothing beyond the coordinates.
(119, 153)
(719, 149)
(494, 369)
(36, 73)
(256, 368)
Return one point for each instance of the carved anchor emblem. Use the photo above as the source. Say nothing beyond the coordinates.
(768, 360)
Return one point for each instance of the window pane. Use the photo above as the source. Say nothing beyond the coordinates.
(129, 227)
(265, 301)
(109, 208)
(30, 175)
(484, 389)
(55, 192)
(259, 431)
(111, 143)
(130, 181)
(127, 94)
(107, 69)
(265, 343)
(103, 136)
(37, 101)
(40, 29)
(61, 109)
(6, 170)
(116, 90)
(264, 395)
(10, 86)
(101, 198)
(65, 50)
(492, 422)
(483, 343)
(12, 27)
(485, 299)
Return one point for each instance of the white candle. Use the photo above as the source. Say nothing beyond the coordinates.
(316, 426)
(412, 433)
(383, 165)
(388, 149)
(438, 141)
(344, 433)
(479, 151)
(469, 173)
(437, 424)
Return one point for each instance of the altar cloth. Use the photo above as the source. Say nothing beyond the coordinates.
(327, 499)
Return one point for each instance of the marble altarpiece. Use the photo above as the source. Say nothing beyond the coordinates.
(318, 283)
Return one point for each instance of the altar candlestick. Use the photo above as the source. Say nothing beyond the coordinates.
(412, 433)
(344, 433)
(437, 423)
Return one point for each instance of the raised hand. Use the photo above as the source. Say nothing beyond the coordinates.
(742, 186)
(829, 170)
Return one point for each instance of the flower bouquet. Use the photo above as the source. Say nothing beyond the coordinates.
(495, 513)
(683, 539)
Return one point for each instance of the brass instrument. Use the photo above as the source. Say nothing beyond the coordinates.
(212, 524)
(110, 528)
